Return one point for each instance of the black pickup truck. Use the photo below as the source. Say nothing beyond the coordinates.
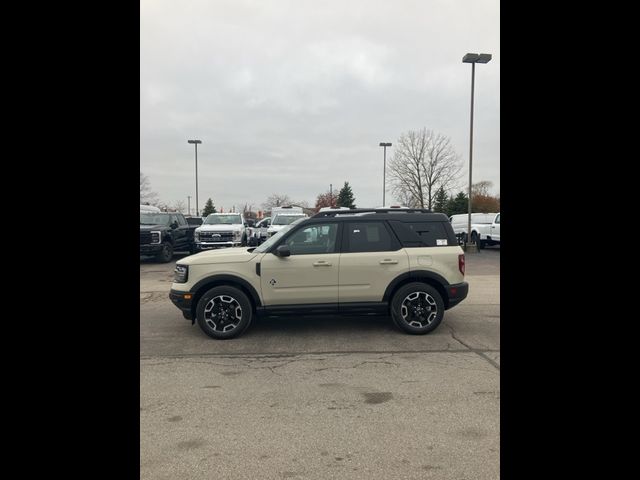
(161, 234)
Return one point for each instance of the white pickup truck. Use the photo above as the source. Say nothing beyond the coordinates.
(485, 228)
(258, 233)
(221, 230)
(283, 216)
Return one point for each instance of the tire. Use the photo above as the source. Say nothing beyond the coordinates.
(479, 243)
(243, 242)
(166, 254)
(224, 323)
(429, 304)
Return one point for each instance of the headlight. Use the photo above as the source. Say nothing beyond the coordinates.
(156, 237)
(196, 236)
(180, 274)
(237, 235)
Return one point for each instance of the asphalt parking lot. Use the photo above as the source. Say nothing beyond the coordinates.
(321, 397)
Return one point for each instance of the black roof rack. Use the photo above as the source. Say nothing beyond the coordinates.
(352, 211)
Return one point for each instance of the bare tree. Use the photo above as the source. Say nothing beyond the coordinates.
(301, 203)
(481, 188)
(276, 200)
(423, 162)
(405, 198)
(179, 206)
(146, 195)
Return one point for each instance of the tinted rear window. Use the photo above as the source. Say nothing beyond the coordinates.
(424, 234)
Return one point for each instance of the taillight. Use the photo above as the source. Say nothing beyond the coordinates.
(461, 263)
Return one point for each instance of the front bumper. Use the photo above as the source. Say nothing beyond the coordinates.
(182, 300)
(457, 292)
(150, 249)
(212, 245)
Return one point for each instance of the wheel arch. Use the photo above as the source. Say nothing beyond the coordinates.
(206, 284)
(430, 278)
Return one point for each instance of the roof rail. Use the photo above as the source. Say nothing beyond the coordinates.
(352, 211)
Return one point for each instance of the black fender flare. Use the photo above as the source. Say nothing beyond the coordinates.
(415, 275)
(225, 279)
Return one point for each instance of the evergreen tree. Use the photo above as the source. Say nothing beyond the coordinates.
(459, 204)
(345, 197)
(440, 201)
(208, 208)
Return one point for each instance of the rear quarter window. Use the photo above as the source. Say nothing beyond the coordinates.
(424, 234)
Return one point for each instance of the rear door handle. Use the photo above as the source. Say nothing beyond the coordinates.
(388, 261)
(321, 263)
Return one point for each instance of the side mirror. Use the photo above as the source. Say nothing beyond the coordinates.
(174, 225)
(283, 251)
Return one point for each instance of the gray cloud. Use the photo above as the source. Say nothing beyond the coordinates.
(290, 96)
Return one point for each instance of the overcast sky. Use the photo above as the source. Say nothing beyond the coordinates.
(290, 96)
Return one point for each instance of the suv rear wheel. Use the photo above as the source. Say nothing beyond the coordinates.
(224, 312)
(417, 308)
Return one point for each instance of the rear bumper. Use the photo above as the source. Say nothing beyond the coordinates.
(457, 292)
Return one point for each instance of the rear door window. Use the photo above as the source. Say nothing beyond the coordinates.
(369, 237)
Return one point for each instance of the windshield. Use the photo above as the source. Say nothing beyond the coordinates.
(222, 220)
(264, 222)
(286, 219)
(154, 218)
(277, 236)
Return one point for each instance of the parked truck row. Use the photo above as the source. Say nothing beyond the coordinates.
(162, 233)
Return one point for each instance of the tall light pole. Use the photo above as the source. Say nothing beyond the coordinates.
(196, 142)
(472, 58)
(384, 171)
(189, 204)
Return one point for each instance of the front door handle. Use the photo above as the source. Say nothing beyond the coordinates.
(321, 263)
(388, 261)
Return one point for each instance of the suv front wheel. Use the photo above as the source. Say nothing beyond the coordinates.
(417, 308)
(224, 312)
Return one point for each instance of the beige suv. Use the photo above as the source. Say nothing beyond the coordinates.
(403, 263)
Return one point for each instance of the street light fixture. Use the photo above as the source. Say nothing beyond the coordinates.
(384, 171)
(196, 142)
(472, 58)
